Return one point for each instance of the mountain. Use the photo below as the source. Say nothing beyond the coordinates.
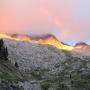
(47, 39)
(81, 44)
(46, 36)
(20, 37)
(49, 68)
(50, 39)
(82, 48)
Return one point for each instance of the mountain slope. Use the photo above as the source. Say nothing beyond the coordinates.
(50, 68)
(30, 56)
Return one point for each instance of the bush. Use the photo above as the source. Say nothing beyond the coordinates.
(45, 86)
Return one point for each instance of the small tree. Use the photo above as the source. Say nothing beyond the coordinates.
(3, 50)
(16, 65)
(5, 53)
(1, 44)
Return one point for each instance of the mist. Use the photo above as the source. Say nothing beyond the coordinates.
(68, 20)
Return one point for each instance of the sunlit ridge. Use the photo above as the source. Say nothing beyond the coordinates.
(50, 41)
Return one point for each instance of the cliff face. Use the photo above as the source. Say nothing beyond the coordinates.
(50, 68)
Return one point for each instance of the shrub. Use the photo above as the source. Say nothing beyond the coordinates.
(16, 65)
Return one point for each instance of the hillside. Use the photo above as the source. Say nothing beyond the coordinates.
(49, 68)
(8, 72)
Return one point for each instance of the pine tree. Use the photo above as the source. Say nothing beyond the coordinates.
(5, 53)
(1, 44)
(3, 50)
(16, 65)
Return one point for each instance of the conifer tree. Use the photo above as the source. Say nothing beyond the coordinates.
(16, 65)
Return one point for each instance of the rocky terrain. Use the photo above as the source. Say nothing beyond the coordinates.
(45, 67)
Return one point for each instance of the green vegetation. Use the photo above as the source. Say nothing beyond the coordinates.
(45, 85)
(36, 75)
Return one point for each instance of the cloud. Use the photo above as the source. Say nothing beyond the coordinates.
(47, 16)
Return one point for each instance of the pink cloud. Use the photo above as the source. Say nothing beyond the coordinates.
(46, 16)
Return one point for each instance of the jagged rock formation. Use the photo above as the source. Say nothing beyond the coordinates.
(50, 68)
